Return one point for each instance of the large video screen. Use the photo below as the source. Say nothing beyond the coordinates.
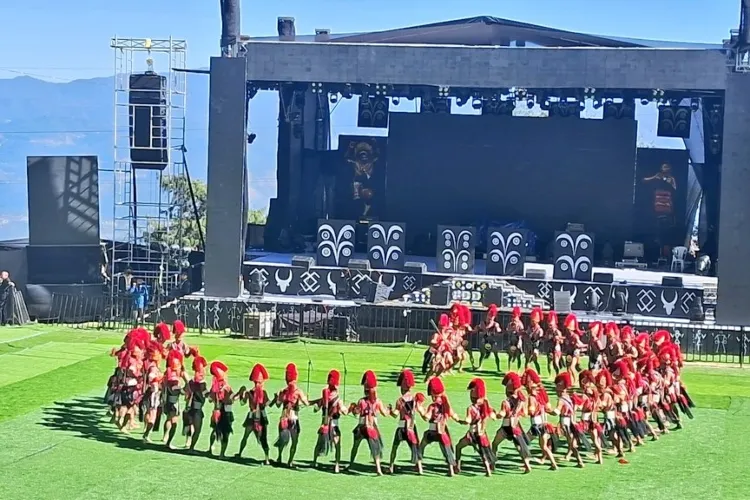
(546, 172)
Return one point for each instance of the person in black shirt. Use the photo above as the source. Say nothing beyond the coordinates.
(6, 298)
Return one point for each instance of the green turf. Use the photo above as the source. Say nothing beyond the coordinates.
(55, 441)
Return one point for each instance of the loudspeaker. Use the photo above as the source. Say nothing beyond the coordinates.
(536, 274)
(62, 265)
(415, 267)
(673, 281)
(604, 277)
(148, 121)
(302, 261)
(492, 296)
(360, 264)
(63, 194)
(440, 294)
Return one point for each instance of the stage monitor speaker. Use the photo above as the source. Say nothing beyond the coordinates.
(303, 261)
(536, 274)
(674, 281)
(63, 194)
(359, 264)
(62, 265)
(415, 267)
(440, 295)
(674, 121)
(147, 98)
(604, 277)
(492, 296)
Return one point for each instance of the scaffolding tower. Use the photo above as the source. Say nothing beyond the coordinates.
(148, 232)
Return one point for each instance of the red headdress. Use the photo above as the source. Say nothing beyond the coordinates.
(435, 387)
(444, 321)
(405, 379)
(611, 330)
(536, 314)
(219, 372)
(626, 333)
(642, 340)
(465, 316)
(161, 333)
(667, 354)
(571, 323)
(175, 359)
(334, 378)
(621, 369)
(564, 381)
(291, 374)
(530, 377)
(552, 319)
(604, 377)
(455, 312)
(178, 328)
(137, 339)
(492, 311)
(647, 362)
(512, 381)
(369, 380)
(516, 312)
(154, 349)
(586, 377)
(258, 375)
(661, 337)
(199, 367)
(478, 388)
(595, 329)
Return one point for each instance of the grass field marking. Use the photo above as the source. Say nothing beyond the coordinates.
(18, 339)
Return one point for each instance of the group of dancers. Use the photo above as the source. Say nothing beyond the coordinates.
(631, 391)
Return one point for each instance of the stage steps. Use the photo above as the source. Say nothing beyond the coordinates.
(471, 290)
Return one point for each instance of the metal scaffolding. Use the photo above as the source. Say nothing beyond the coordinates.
(147, 222)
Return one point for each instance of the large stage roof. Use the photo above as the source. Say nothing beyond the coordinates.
(494, 31)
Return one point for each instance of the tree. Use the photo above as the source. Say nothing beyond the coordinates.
(257, 216)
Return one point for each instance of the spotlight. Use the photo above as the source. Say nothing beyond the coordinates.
(695, 104)
(396, 101)
(317, 88)
(476, 103)
(597, 104)
(530, 103)
(621, 303)
(380, 89)
(443, 91)
(334, 98)
(702, 265)
(347, 93)
(461, 100)
(644, 102)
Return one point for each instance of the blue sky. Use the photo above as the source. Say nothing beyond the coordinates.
(68, 39)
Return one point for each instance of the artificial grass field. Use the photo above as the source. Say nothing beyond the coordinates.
(56, 442)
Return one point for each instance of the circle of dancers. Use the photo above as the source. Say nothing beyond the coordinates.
(630, 393)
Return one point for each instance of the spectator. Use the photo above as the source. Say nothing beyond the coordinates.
(139, 293)
(6, 298)
(184, 287)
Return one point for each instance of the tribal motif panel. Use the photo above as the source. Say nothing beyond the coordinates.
(574, 256)
(335, 242)
(455, 249)
(506, 251)
(386, 245)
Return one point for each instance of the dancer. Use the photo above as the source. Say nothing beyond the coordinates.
(538, 406)
(478, 416)
(438, 413)
(555, 340)
(152, 393)
(406, 431)
(223, 399)
(442, 355)
(256, 421)
(515, 338)
(463, 339)
(511, 410)
(196, 393)
(329, 433)
(616, 433)
(589, 409)
(490, 330)
(597, 345)
(367, 409)
(566, 410)
(532, 342)
(289, 399)
(573, 346)
(173, 390)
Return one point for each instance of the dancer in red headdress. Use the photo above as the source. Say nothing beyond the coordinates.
(406, 431)
(574, 346)
(367, 409)
(463, 339)
(617, 436)
(222, 417)
(178, 344)
(566, 410)
(515, 330)
(597, 345)
(478, 416)
(512, 409)
(130, 392)
(555, 340)
(196, 394)
(152, 395)
(614, 350)
(623, 393)
(490, 330)
(329, 433)
(532, 343)
(438, 413)
(256, 421)
(441, 348)
(538, 406)
(589, 404)
(173, 390)
(290, 398)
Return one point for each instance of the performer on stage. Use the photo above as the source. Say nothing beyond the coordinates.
(538, 406)
(532, 343)
(367, 409)
(515, 337)
(197, 392)
(223, 399)
(478, 416)
(438, 413)
(512, 409)
(555, 340)
(329, 433)
(566, 410)
(289, 399)
(490, 330)
(406, 432)
(173, 391)
(256, 421)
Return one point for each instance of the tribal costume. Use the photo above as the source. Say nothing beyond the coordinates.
(597, 345)
(438, 414)
(566, 409)
(223, 398)
(441, 349)
(151, 402)
(129, 392)
(256, 421)
(406, 431)
(532, 342)
(197, 391)
(512, 409)
(478, 416)
(490, 330)
(289, 399)
(367, 409)
(329, 432)
(589, 407)
(538, 406)
(555, 341)
(574, 347)
(172, 391)
(515, 338)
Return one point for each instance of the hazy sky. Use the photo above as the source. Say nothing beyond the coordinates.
(68, 39)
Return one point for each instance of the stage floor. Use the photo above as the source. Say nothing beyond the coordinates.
(621, 275)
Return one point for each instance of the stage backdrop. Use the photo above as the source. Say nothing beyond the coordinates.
(463, 170)
(660, 198)
(360, 183)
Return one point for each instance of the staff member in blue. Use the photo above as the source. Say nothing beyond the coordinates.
(140, 295)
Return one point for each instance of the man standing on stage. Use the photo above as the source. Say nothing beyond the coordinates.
(140, 295)
(6, 298)
(665, 188)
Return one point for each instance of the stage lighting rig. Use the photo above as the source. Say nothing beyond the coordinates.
(657, 95)
(380, 89)
(334, 97)
(396, 101)
(530, 103)
(443, 91)
(476, 102)
(695, 104)
(589, 93)
(347, 92)
(317, 88)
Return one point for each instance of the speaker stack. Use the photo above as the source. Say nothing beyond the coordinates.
(147, 101)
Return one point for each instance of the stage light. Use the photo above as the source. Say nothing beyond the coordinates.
(317, 88)
(347, 93)
(597, 104)
(396, 101)
(443, 91)
(702, 265)
(695, 104)
(460, 101)
(380, 89)
(645, 102)
(476, 103)
(621, 303)
(530, 103)
(334, 98)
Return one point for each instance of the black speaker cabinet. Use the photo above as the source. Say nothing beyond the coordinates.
(148, 121)
(440, 295)
(673, 281)
(604, 277)
(492, 296)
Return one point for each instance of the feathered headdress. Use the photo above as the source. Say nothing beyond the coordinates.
(435, 387)
(258, 374)
(552, 319)
(161, 333)
(369, 380)
(516, 312)
(154, 349)
(178, 328)
(604, 378)
(334, 378)
(661, 337)
(291, 374)
(199, 364)
(564, 381)
(536, 314)
(175, 359)
(530, 377)
(444, 321)
(585, 378)
(465, 316)
(219, 370)
(492, 311)
(405, 379)
(512, 381)
(571, 323)
(611, 330)
(478, 388)
(620, 368)
(626, 333)
(595, 329)
(642, 340)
